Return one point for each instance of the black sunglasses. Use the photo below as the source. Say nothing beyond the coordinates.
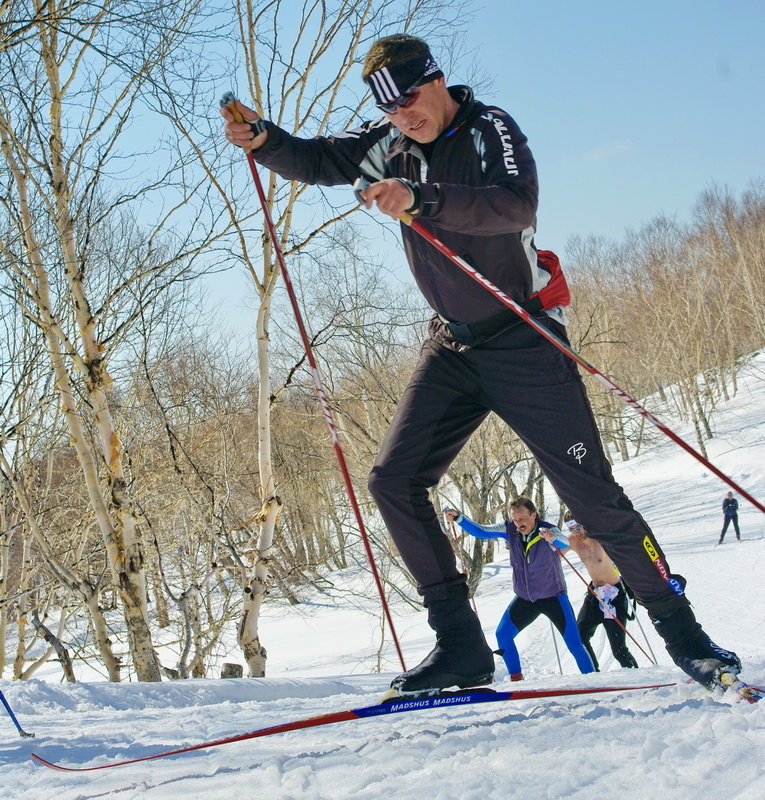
(403, 101)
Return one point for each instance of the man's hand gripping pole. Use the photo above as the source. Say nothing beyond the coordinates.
(258, 126)
(361, 185)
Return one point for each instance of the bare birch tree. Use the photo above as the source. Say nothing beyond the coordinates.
(81, 261)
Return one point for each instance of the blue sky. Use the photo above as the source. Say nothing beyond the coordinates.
(631, 109)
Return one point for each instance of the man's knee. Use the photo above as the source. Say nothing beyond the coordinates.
(382, 486)
(401, 491)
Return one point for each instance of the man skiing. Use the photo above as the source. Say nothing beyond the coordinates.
(465, 170)
(730, 514)
(605, 602)
(538, 581)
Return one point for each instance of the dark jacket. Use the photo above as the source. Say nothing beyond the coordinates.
(730, 507)
(478, 188)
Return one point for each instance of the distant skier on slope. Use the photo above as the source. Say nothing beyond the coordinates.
(730, 514)
(464, 169)
(538, 581)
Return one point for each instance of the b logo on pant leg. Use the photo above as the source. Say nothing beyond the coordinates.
(578, 451)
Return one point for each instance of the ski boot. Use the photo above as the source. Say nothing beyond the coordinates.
(461, 657)
(694, 652)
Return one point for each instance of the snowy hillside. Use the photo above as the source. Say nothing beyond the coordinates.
(680, 742)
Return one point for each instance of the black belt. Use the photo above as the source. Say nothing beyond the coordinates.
(492, 326)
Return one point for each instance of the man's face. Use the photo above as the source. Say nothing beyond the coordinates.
(523, 519)
(578, 532)
(424, 119)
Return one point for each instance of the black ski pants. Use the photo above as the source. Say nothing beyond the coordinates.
(538, 392)
(728, 519)
(590, 616)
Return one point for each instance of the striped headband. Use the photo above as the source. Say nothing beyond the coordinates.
(389, 83)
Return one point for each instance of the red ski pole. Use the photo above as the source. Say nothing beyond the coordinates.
(229, 101)
(360, 186)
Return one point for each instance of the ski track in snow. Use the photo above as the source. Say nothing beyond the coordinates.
(674, 743)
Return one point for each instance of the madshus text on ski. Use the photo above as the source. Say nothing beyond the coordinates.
(439, 700)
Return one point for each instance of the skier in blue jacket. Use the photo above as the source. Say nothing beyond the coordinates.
(538, 581)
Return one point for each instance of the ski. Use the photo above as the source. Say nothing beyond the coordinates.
(392, 706)
(752, 694)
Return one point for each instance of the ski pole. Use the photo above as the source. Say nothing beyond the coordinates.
(21, 731)
(555, 645)
(648, 644)
(594, 594)
(229, 101)
(361, 185)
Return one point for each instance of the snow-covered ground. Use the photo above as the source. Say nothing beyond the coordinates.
(680, 742)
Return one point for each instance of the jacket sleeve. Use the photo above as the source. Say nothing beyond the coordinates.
(560, 542)
(507, 200)
(327, 160)
(481, 531)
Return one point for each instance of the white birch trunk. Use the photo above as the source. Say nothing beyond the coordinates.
(120, 532)
(5, 559)
(19, 658)
(120, 535)
(257, 581)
